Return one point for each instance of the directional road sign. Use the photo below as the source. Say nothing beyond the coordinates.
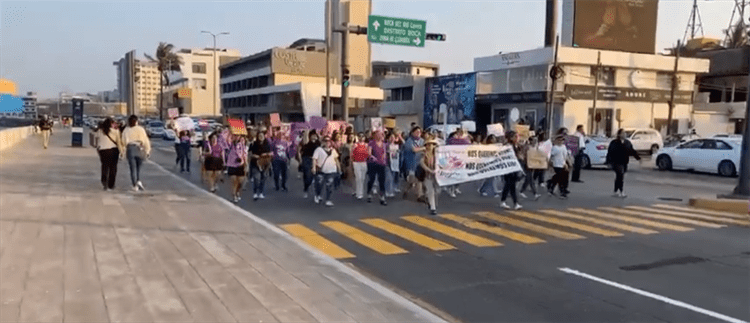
(396, 31)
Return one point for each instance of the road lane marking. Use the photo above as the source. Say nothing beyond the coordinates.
(408, 234)
(701, 217)
(570, 224)
(663, 217)
(620, 226)
(370, 241)
(654, 296)
(633, 220)
(530, 226)
(464, 236)
(494, 230)
(702, 211)
(317, 241)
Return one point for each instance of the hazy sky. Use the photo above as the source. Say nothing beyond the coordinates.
(70, 46)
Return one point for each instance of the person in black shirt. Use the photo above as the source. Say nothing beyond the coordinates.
(260, 152)
(618, 156)
(45, 125)
(306, 152)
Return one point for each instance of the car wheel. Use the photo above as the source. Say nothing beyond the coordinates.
(586, 161)
(654, 149)
(727, 169)
(664, 162)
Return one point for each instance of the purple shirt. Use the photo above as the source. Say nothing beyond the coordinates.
(236, 151)
(216, 149)
(378, 153)
(282, 149)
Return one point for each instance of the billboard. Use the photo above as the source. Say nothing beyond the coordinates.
(455, 93)
(621, 25)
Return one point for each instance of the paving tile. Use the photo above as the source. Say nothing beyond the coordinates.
(84, 301)
(43, 296)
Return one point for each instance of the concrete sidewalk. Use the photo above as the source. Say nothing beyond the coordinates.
(72, 252)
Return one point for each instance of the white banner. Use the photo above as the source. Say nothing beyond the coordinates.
(461, 164)
(185, 124)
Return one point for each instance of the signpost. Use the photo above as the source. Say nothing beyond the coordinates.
(396, 31)
(77, 127)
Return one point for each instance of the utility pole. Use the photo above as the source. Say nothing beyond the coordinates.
(675, 80)
(215, 67)
(554, 75)
(344, 67)
(597, 71)
(329, 109)
(551, 23)
(743, 185)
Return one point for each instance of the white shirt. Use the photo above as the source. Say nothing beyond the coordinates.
(559, 155)
(136, 134)
(581, 140)
(109, 142)
(326, 163)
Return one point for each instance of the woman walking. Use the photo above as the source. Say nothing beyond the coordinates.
(377, 166)
(360, 155)
(306, 153)
(282, 149)
(236, 163)
(393, 167)
(618, 156)
(488, 185)
(214, 160)
(512, 178)
(426, 173)
(261, 153)
(534, 162)
(560, 159)
(110, 149)
(185, 152)
(326, 163)
(138, 148)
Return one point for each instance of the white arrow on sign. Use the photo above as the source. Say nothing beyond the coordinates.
(417, 41)
(376, 24)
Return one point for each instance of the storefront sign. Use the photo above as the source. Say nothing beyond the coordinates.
(461, 164)
(586, 92)
(530, 97)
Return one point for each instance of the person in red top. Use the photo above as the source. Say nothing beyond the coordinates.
(360, 154)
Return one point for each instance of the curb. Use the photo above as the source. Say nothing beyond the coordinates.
(724, 205)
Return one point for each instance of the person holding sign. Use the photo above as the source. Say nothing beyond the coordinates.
(536, 161)
(425, 172)
(261, 152)
(236, 162)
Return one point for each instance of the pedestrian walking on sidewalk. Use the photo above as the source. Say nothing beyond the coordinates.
(138, 148)
(560, 158)
(306, 154)
(45, 125)
(236, 164)
(214, 160)
(425, 172)
(511, 179)
(360, 156)
(618, 156)
(581, 135)
(111, 150)
(260, 151)
(326, 167)
(377, 166)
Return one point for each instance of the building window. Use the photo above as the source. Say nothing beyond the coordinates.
(263, 81)
(199, 68)
(200, 84)
(402, 94)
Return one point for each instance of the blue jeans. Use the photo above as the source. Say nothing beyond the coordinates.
(279, 172)
(391, 181)
(134, 161)
(326, 180)
(307, 164)
(488, 186)
(185, 151)
(259, 180)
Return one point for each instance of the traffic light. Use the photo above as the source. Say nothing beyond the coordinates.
(436, 37)
(345, 77)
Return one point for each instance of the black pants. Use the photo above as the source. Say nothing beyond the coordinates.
(109, 159)
(510, 187)
(279, 173)
(620, 171)
(577, 167)
(307, 165)
(559, 179)
(375, 169)
(539, 175)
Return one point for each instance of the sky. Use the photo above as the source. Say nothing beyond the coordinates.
(55, 46)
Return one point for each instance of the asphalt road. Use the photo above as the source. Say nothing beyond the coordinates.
(637, 262)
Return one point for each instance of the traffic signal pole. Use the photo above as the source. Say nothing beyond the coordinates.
(743, 186)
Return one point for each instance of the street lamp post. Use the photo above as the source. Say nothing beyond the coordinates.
(215, 68)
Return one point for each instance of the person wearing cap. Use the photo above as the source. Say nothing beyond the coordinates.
(427, 165)
(325, 168)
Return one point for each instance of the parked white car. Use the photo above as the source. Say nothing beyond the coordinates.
(596, 151)
(156, 129)
(712, 155)
(645, 140)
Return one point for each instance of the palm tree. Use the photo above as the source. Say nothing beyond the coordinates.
(166, 61)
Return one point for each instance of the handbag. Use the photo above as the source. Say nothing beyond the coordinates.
(420, 173)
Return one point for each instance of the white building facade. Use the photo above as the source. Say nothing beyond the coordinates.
(403, 84)
(200, 74)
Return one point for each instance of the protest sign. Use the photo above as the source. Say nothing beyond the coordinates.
(461, 164)
(469, 126)
(536, 159)
(523, 132)
(237, 127)
(203, 124)
(173, 112)
(496, 130)
(571, 142)
(275, 120)
(376, 124)
(185, 124)
(318, 123)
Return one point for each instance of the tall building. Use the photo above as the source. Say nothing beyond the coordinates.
(29, 105)
(359, 50)
(138, 84)
(198, 79)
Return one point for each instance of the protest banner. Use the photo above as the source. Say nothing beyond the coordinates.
(536, 159)
(184, 124)
(275, 120)
(496, 130)
(376, 124)
(173, 112)
(237, 127)
(461, 164)
(318, 123)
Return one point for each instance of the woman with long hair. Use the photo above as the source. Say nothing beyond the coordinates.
(360, 154)
(110, 148)
(138, 148)
(512, 178)
(214, 160)
(236, 163)
(427, 174)
(377, 166)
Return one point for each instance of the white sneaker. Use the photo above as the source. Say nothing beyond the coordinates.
(537, 196)
(329, 203)
(457, 191)
(255, 196)
(505, 206)
(304, 196)
(317, 199)
(140, 186)
(484, 194)
(523, 195)
(543, 185)
(452, 194)
(135, 188)
(623, 195)
(261, 196)
(518, 206)
(617, 194)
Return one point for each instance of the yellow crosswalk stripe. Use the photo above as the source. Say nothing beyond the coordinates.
(494, 230)
(530, 226)
(317, 241)
(370, 241)
(570, 224)
(663, 217)
(708, 218)
(620, 226)
(464, 236)
(702, 211)
(413, 236)
(633, 220)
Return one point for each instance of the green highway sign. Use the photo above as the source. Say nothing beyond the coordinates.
(396, 31)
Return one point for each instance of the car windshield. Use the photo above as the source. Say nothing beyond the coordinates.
(156, 124)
